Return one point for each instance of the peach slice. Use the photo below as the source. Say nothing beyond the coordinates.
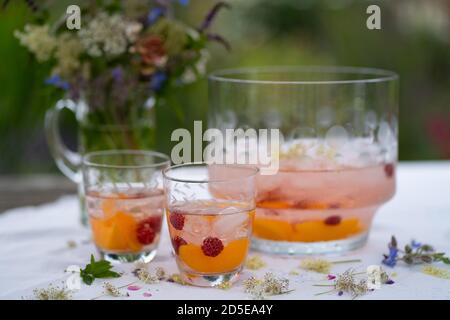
(272, 229)
(116, 233)
(231, 257)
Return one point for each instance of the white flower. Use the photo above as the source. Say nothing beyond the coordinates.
(132, 30)
(105, 35)
(38, 40)
(67, 52)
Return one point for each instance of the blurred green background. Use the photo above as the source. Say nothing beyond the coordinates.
(414, 41)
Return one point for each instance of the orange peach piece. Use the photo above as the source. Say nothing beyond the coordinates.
(272, 229)
(116, 233)
(231, 257)
(311, 231)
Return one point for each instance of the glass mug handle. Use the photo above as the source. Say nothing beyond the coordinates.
(66, 160)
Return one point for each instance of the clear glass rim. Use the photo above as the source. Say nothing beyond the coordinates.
(162, 159)
(254, 171)
(374, 74)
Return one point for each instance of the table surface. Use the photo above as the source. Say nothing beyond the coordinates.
(34, 249)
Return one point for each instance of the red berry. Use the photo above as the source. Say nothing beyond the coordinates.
(145, 233)
(212, 247)
(177, 220)
(154, 222)
(177, 242)
(389, 170)
(333, 220)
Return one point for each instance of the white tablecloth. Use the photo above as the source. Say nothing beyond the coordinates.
(34, 250)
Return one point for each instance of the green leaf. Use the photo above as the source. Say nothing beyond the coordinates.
(97, 269)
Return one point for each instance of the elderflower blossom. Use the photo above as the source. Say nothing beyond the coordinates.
(145, 276)
(68, 50)
(255, 263)
(268, 286)
(346, 282)
(111, 290)
(108, 35)
(436, 272)
(38, 40)
(52, 293)
(176, 278)
(317, 265)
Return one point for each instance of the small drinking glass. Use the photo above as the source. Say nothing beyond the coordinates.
(210, 212)
(125, 202)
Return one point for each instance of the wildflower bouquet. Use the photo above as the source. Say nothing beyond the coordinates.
(124, 58)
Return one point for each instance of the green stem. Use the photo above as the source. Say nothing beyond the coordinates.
(346, 261)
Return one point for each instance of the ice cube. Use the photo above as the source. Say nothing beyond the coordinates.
(229, 226)
(196, 228)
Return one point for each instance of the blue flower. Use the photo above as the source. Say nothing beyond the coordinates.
(154, 14)
(57, 82)
(158, 80)
(415, 244)
(183, 2)
(391, 259)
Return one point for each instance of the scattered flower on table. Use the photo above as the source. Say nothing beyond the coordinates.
(111, 290)
(142, 273)
(294, 272)
(224, 285)
(255, 263)
(349, 282)
(176, 278)
(321, 265)
(269, 285)
(436, 272)
(134, 288)
(413, 253)
(53, 293)
(71, 244)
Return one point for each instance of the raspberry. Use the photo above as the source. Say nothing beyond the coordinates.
(333, 220)
(389, 170)
(212, 247)
(177, 220)
(177, 242)
(154, 222)
(145, 233)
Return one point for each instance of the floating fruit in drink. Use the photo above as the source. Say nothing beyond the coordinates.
(126, 223)
(210, 237)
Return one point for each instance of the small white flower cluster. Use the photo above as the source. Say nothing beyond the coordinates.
(67, 51)
(268, 286)
(38, 40)
(108, 35)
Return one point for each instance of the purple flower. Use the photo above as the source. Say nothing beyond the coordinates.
(415, 244)
(391, 259)
(158, 80)
(117, 74)
(390, 281)
(57, 82)
(331, 277)
(154, 15)
(340, 293)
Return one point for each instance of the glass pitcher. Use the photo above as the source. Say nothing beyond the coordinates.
(105, 121)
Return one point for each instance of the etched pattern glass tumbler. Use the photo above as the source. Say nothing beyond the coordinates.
(210, 220)
(125, 202)
(337, 154)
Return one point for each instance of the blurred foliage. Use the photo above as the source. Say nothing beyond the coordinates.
(414, 42)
